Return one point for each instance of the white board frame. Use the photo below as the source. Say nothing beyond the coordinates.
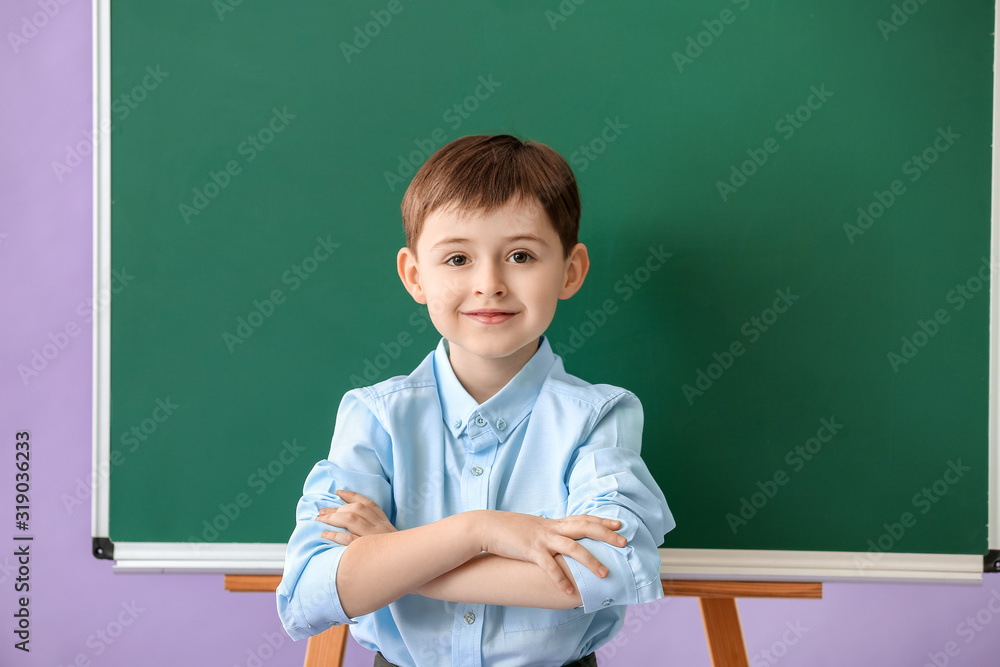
(246, 558)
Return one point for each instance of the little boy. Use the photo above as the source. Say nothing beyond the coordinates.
(489, 508)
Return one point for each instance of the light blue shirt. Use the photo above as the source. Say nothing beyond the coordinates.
(423, 449)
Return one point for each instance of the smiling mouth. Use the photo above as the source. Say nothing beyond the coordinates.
(490, 318)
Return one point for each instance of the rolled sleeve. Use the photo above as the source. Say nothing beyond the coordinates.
(315, 605)
(608, 478)
(307, 598)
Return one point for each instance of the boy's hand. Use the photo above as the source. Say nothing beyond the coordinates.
(536, 540)
(360, 515)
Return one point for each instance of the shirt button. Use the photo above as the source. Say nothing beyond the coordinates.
(457, 423)
(501, 424)
(608, 602)
(480, 421)
(477, 471)
(470, 618)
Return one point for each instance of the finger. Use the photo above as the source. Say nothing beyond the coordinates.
(598, 529)
(610, 523)
(329, 519)
(354, 497)
(580, 554)
(611, 537)
(338, 537)
(580, 521)
(353, 521)
(552, 568)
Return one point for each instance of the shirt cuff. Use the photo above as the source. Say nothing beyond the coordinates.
(315, 605)
(617, 588)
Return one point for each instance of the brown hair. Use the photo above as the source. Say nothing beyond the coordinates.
(482, 173)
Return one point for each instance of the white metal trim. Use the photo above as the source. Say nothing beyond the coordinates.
(102, 274)
(194, 557)
(731, 564)
(753, 565)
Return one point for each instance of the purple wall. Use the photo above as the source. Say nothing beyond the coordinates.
(82, 614)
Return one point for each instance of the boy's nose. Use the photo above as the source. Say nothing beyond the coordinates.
(489, 279)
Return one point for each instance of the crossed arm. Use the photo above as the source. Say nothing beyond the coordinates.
(482, 556)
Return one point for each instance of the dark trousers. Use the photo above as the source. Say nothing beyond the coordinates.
(585, 661)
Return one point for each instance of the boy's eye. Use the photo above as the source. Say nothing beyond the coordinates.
(519, 257)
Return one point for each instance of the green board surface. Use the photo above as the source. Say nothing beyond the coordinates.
(260, 152)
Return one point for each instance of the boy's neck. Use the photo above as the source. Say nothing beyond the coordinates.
(483, 378)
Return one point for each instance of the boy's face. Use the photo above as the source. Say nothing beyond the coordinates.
(472, 262)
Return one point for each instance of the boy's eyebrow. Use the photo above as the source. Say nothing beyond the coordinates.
(454, 240)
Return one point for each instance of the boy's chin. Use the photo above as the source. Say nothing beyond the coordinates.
(495, 349)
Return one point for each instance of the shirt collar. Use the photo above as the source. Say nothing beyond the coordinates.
(503, 411)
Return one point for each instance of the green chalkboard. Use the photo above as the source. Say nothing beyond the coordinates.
(787, 207)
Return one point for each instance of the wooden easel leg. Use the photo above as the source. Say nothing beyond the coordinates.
(725, 637)
(327, 648)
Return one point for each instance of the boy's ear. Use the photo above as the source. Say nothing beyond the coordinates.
(577, 265)
(406, 266)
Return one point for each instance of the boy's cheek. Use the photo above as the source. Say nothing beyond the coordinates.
(418, 320)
